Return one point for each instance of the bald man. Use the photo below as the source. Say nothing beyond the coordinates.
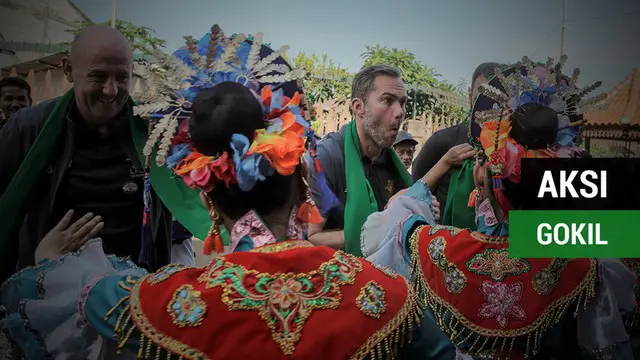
(94, 166)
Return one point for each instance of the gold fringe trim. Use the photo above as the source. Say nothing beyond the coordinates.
(131, 322)
(461, 330)
(385, 342)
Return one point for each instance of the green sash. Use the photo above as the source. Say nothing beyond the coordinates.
(456, 211)
(183, 202)
(361, 201)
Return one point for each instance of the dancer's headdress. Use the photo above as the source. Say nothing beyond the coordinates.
(507, 135)
(203, 64)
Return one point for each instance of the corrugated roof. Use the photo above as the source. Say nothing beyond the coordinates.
(622, 105)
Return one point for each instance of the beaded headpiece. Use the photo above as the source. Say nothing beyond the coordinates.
(212, 60)
(508, 95)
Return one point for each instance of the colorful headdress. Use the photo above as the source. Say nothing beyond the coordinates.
(505, 99)
(203, 64)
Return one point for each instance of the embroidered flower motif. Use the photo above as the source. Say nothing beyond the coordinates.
(285, 292)
(284, 301)
(454, 279)
(546, 279)
(496, 263)
(164, 273)
(187, 308)
(371, 300)
(502, 302)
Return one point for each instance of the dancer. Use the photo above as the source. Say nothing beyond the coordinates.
(240, 141)
(490, 304)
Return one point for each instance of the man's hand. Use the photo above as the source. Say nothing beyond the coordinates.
(64, 238)
(458, 154)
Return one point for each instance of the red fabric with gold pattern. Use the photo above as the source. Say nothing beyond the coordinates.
(311, 294)
(469, 276)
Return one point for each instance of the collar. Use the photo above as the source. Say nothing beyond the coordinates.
(250, 231)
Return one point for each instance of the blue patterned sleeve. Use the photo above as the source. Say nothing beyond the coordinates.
(106, 309)
(385, 233)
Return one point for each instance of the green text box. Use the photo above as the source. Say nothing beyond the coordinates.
(620, 228)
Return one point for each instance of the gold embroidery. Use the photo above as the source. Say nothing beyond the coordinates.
(282, 246)
(283, 300)
(165, 272)
(390, 273)
(390, 189)
(546, 279)
(489, 239)
(454, 279)
(398, 331)
(133, 318)
(450, 319)
(371, 300)
(186, 307)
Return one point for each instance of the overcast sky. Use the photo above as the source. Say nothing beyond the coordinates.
(450, 36)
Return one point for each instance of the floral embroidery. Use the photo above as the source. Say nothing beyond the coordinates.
(186, 307)
(502, 302)
(164, 273)
(433, 229)
(454, 279)
(284, 301)
(371, 300)
(252, 226)
(496, 263)
(390, 273)
(546, 279)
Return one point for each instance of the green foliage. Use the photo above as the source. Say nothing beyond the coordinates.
(414, 72)
(324, 78)
(141, 38)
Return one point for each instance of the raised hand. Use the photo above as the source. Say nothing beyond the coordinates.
(64, 238)
(459, 153)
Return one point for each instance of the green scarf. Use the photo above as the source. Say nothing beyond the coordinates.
(456, 211)
(361, 201)
(183, 202)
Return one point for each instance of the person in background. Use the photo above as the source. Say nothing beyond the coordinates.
(357, 164)
(491, 305)
(15, 94)
(405, 146)
(84, 152)
(440, 142)
(244, 155)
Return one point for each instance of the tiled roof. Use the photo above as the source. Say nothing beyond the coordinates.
(622, 105)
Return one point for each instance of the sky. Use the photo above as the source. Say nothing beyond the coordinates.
(452, 36)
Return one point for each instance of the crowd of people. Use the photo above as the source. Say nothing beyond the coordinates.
(336, 250)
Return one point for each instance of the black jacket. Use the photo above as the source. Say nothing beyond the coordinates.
(16, 138)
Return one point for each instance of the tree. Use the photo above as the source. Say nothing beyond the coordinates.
(324, 80)
(141, 38)
(414, 72)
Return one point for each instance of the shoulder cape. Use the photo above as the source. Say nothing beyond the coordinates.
(285, 300)
(486, 300)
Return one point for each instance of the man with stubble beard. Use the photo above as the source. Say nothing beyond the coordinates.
(361, 169)
(86, 159)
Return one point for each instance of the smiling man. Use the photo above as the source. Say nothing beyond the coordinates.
(15, 94)
(362, 170)
(88, 158)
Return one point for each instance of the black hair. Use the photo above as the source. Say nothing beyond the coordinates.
(486, 69)
(219, 112)
(17, 82)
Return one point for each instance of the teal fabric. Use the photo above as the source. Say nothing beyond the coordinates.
(104, 296)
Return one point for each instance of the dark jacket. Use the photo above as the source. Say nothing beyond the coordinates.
(16, 138)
